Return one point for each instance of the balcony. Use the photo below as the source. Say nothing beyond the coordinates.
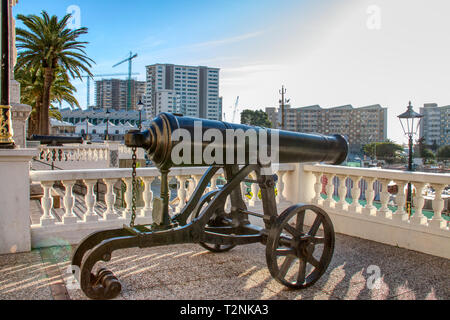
(410, 254)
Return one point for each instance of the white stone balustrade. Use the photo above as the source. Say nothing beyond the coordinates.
(72, 157)
(357, 200)
(379, 223)
(73, 228)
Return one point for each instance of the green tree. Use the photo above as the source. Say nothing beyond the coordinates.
(427, 155)
(444, 153)
(45, 45)
(388, 151)
(31, 90)
(255, 118)
(369, 149)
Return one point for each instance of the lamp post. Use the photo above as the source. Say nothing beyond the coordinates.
(283, 103)
(410, 121)
(107, 125)
(140, 108)
(87, 128)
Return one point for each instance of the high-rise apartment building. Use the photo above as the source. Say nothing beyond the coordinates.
(435, 125)
(360, 125)
(113, 93)
(188, 90)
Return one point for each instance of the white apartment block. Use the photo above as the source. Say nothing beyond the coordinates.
(188, 90)
(435, 126)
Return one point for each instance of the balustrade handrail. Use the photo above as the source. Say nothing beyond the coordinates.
(81, 146)
(90, 174)
(424, 177)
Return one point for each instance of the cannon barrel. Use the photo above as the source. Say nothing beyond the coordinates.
(162, 137)
(56, 140)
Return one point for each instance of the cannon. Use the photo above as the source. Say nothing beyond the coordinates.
(299, 241)
(56, 141)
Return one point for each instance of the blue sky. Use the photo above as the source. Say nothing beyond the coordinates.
(326, 52)
(152, 28)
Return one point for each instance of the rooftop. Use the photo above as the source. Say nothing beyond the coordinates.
(241, 274)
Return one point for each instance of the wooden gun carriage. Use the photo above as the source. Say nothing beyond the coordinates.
(299, 241)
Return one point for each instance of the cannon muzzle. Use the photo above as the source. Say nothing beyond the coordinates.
(184, 141)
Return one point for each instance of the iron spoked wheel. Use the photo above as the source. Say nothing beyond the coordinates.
(300, 246)
(219, 220)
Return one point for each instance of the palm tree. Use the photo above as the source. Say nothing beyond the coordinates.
(31, 90)
(47, 43)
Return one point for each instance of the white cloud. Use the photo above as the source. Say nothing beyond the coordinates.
(226, 41)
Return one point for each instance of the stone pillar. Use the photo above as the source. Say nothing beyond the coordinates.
(15, 233)
(113, 153)
(20, 114)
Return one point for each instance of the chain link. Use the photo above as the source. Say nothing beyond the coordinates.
(134, 191)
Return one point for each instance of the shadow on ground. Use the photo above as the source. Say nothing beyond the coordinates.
(189, 272)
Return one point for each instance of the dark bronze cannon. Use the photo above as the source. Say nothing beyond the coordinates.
(56, 141)
(299, 241)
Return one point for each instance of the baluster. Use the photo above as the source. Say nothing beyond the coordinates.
(254, 188)
(355, 207)
(228, 204)
(90, 200)
(370, 209)
(147, 196)
(280, 186)
(110, 199)
(181, 193)
(329, 202)
(384, 211)
(47, 204)
(318, 189)
(400, 214)
(342, 191)
(419, 201)
(191, 187)
(244, 192)
(197, 179)
(214, 183)
(438, 206)
(69, 201)
(254, 201)
(128, 198)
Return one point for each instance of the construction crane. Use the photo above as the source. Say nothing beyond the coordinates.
(99, 76)
(235, 109)
(130, 68)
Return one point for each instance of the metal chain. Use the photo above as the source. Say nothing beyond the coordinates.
(134, 191)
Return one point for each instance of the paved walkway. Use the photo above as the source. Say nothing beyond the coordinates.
(190, 272)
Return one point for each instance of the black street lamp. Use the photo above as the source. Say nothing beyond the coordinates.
(140, 108)
(107, 124)
(87, 128)
(410, 121)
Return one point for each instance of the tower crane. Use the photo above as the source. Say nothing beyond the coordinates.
(88, 81)
(130, 68)
(235, 109)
